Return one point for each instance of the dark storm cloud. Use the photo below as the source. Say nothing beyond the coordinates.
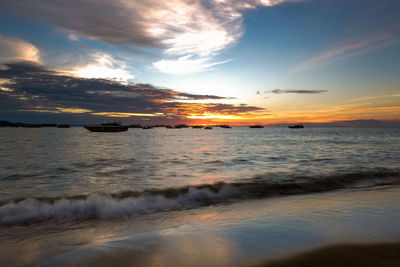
(31, 87)
(110, 21)
(227, 109)
(299, 92)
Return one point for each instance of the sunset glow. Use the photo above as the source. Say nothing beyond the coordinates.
(223, 62)
(199, 133)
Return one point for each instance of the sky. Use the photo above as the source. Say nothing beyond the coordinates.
(199, 62)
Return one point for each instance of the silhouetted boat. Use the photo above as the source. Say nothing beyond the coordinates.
(63, 126)
(32, 125)
(181, 126)
(225, 126)
(256, 126)
(297, 126)
(107, 127)
(208, 128)
(197, 126)
(135, 126)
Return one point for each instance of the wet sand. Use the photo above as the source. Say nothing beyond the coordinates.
(355, 255)
(285, 231)
(362, 255)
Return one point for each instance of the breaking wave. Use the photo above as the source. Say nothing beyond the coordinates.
(130, 203)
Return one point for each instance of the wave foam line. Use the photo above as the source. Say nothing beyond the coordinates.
(96, 206)
(129, 203)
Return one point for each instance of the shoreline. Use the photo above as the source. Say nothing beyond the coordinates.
(270, 232)
(375, 254)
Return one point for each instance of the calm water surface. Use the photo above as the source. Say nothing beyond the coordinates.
(48, 164)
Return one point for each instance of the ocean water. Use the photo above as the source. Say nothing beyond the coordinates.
(192, 197)
(76, 175)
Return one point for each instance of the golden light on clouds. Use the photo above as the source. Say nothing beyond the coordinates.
(3, 87)
(73, 110)
(58, 110)
(213, 116)
(14, 49)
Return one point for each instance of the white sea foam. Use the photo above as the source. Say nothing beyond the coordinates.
(97, 206)
(128, 203)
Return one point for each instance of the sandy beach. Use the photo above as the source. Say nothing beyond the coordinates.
(343, 228)
(356, 255)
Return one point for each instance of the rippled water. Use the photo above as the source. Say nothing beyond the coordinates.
(73, 170)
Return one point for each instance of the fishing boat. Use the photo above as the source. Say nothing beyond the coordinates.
(107, 127)
(135, 126)
(297, 126)
(32, 125)
(256, 126)
(63, 126)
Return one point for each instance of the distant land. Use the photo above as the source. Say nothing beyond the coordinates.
(348, 123)
(22, 124)
(11, 124)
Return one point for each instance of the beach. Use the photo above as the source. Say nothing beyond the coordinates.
(273, 232)
(344, 255)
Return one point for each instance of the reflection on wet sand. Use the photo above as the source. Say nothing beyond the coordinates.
(222, 235)
(192, 250)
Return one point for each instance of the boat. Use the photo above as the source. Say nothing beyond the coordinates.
(107, 127)
(135, 126)
(208, 128)
(256, 126)
(147, 127)
(225, 126)
(297, 126)
(172, 127)
(197, 126)
(63, 126)
(181, 126)
(32, 125)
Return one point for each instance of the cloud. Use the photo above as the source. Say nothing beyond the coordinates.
(36, 89)
(73, 37)
(290, 91)
(103, 65)
(193, 30)
(352, 47)
(14, 49)
(185, 64)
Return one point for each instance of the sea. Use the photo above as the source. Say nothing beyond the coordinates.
(192, 197)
